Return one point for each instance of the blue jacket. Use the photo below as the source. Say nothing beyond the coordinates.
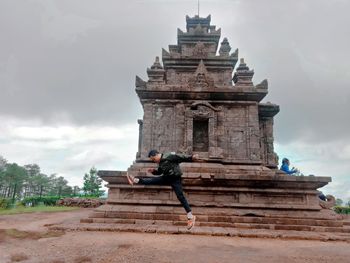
(285, 168)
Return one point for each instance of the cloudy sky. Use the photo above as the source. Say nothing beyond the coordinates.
(67, 71)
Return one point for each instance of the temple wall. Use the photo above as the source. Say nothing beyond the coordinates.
(163, 127)
(239, 133)
(233, 130)
(179, 77)
(189, 50)
(268, 155)
(147, 129)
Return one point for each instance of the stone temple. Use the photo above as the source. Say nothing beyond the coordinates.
(200, 98)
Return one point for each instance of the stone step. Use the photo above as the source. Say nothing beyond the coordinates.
(201, 230)
(275, 226)
(110, 210)
(217, 224)
(223, 203)
(312, 228)
(218, 220)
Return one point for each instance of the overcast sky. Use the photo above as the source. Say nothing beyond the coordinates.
(67, 72)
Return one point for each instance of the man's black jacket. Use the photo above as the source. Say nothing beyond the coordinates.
(169, 164)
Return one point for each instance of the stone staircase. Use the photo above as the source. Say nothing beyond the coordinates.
(176, 217)
(233, 200)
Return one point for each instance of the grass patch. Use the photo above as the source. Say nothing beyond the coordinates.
(21, 209)
(19, 234)
(83, 259)
(19, 257)
(342, 210)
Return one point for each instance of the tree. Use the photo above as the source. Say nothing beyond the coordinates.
(92, 183)
(33, 174)
(58, 186)
(14, 175)
(338, 202)
(76, 190)
(62, 187)
(3, 163)
(18, 181)
(41, 182)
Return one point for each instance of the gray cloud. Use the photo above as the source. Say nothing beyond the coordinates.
(64, 60)
(76, 61)
(301, 47)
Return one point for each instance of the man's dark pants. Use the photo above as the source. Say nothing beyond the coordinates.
(174, 182)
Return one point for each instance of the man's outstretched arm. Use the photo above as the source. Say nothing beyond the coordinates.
(179, 158)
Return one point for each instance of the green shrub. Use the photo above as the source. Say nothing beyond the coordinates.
(37, 200)
(342, 209)
(5, 202)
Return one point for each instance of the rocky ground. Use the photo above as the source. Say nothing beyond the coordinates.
(25, 238)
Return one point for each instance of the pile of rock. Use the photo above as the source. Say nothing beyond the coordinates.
(80, 202)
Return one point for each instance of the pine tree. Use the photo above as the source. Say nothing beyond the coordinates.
(92, 183)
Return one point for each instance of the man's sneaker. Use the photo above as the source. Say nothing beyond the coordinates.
(190, 222)
(131, 179)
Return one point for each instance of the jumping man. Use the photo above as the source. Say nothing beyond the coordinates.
(170, 174)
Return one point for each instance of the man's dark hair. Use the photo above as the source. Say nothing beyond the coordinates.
(152, 153)
(285, 160)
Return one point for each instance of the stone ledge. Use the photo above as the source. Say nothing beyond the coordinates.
(217, 204)
(217, 211)
(213, 188)
(213, 231)
(160, 218)
(234, 180)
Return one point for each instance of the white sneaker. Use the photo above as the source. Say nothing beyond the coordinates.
(190, 222)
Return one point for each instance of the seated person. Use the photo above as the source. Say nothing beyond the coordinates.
(285, 167)
(322, 196)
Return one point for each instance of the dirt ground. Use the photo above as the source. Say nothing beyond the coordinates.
(30, 241)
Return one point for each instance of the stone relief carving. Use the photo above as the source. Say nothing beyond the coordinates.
(207, 104)
(199, 50)
(201, 78)
(225, 48)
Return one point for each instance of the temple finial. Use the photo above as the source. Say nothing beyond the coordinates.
(198, 8)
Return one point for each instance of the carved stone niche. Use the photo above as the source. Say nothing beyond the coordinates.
(201, 80)
(201, 131)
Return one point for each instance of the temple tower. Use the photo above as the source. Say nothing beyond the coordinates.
(193, 103)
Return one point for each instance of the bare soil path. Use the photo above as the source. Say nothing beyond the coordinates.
(78, 247)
